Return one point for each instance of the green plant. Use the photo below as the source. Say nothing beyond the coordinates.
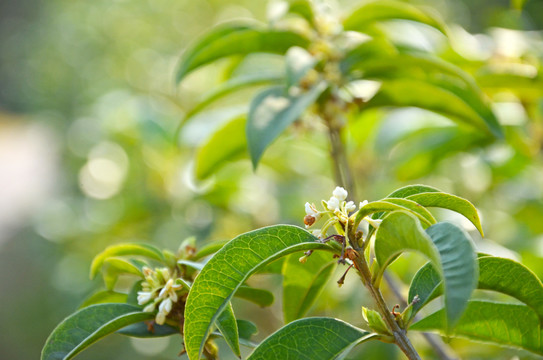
(330, 68)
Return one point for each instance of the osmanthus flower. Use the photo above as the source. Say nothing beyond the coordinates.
(339, 210)
(158, 289)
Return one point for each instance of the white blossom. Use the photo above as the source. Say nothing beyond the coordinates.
(362, 204)
(350, 206)
(144, 297)
(340, 193)
(333, 203)
(310, 209)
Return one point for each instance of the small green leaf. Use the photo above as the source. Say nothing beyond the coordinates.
(271, 112)
(226, 323)
(235, 39)
(246, 330)
(375, 321)
(383, 10)
(447, 246)
(103, 297)
(311, 338)
(209, 249)
(503, 324)
(88, 325)
(497, 274)
(260, 297)
(230, 139)
(303, 9)
(134, 249)
(115, 266)
(303, 283)
(229, 268)
(451, 202)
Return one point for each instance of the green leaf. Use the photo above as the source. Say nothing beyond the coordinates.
(454, 103)
(394, 204)
(226, 323)
(209, 249)
(411, 190)
(115, 266)
(497, 274)
(316, 338)
(445, 245)
(234, 39)
(271, 112)
(303, 283)
(229, 269)
(88, 325)
(503, 324)
(383, 10)
(303, 9)
(375, 321)
(232, 85)
(356, 57)
(134, 249)
(260, 297)
(103, 297)
(143, 330)
(231, 141)
(246, 329)
(451, 202)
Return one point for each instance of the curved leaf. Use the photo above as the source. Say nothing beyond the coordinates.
(227, 325)
(260, 297)
(209, 249)
(231, 141)
(88, 325)
(409, 190)
(447, 246)
(311, 339)
(498, 323)
(454, 103)
(451, 202)
(229, 268)
(382, 10)
(303, 9)
(104, 297)
(115, 266)
(271, 112)
(144, 330)
(134, 249)
(246, 330)
(232, 85)
(497, 274)
(235, 39)
(382, 206)
(303, 283)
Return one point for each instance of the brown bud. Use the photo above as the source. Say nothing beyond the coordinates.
(309, 220)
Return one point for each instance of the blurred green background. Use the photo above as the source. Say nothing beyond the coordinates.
(88, 155)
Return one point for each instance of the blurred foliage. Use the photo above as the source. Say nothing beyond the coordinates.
(93, 81)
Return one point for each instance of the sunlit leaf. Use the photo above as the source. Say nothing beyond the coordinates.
(235, 39)
(497, 274)
(447, 246)
(88, 325)
(115, 266)
(303, 283)
(271, 112)
(209, 249)
(127, 249)
(383, 206)
(229, 268)
(383, 10)
(231, 141)
(311, 338)
(497, 323)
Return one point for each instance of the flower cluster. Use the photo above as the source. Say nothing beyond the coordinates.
(339, 210)
(159, 288)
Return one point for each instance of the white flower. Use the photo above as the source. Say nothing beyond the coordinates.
(160, 318)
(373, 222)
(310, 209)
(144, 297)
(166, 289)
(165, 306)
(362, 204)
(340, 193)
(317, 233)
(350, 206)
(333, 203)
(149, 308)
